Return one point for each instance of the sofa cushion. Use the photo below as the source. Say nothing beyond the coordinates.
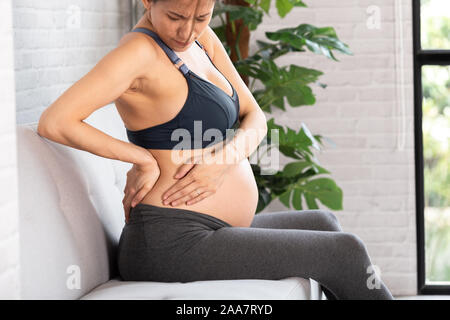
(71, 213)
(294, 288)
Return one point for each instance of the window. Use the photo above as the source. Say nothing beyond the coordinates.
(431, 33)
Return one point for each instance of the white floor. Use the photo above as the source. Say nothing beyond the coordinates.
(419, 297)
(423, 297)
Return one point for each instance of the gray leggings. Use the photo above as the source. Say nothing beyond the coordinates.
(178, 245)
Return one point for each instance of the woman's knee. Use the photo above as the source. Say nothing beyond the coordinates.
(328, 220)
(351, 244)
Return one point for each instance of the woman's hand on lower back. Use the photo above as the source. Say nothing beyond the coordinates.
(140, 180)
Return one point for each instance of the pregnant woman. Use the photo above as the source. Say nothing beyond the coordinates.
(190, 210)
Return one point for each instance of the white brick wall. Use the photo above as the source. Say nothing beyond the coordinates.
(361, 110)
(9, 225)
(57, 42)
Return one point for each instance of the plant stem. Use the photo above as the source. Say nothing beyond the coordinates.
(222, 20)
(238, 51)
(252, 84)
(259, 158)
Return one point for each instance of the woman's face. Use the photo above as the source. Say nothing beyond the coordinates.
(179, 22)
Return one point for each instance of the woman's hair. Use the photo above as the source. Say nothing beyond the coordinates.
(155, 1)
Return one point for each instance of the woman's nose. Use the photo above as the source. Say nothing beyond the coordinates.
(186, 31)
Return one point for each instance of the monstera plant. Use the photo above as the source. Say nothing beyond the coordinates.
(303, 178)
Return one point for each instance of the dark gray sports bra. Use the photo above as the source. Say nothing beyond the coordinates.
(208, 116)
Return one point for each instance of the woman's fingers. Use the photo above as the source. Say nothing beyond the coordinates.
(177, 190)
(183, 170)
(140, 181)
(126, 208)
(127, 203)
(191, 193)
(199, 198)
(140, 195)
(127, 196)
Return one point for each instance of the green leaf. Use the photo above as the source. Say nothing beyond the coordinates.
(325, 190)
(311, 201)
(284, 197)
(298, 3)
(302, 96)
(250, 16)
(281, 83)
(320, 170)
(264, 198)
(308, 133)
(283, 7)
(292, 144)
(265, 5)
(297, 199)
(295, 168)
(317, 40)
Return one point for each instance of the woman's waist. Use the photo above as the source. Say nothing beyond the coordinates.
(235, 187)
(235, 199)
(163, 216)
(238, 179)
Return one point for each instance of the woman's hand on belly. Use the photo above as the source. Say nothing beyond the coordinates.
(235, 201)
(197, 181)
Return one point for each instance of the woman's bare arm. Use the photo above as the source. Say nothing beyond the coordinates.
(62, 121)
(253, 122)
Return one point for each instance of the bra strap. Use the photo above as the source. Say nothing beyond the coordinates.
(172, 55)
(206, 52)
(199, 44)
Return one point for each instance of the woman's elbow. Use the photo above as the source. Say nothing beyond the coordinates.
(42, 128)
(47, 127)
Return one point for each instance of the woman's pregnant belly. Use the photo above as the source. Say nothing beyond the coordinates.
(234, 202)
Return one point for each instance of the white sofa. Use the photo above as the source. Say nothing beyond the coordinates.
(71, 217)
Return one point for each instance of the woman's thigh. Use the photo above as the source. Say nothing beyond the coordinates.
(251, 253)
(338, 260)
(321, 220)
(181, 246)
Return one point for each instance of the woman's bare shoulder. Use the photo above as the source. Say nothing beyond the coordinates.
(139, 44)
(143, 49)
(207, 40)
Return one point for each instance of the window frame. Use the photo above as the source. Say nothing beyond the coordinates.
(421, 58)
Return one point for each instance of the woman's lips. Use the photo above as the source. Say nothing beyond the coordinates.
(181, 44)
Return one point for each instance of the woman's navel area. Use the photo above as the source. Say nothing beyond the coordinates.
(235, 201)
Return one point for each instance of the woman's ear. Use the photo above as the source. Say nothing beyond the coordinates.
(147, 4)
